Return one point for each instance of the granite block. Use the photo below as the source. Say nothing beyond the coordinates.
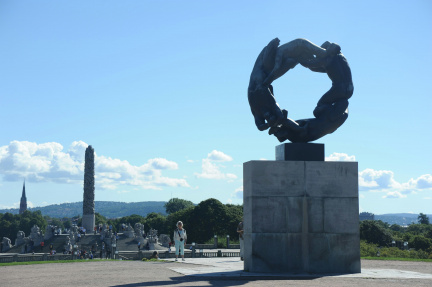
(341, 215)
(331, 179)
(273, 178)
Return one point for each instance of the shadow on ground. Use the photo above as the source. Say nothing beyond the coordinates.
(212, 281)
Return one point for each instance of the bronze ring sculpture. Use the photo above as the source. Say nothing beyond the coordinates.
(331, 110)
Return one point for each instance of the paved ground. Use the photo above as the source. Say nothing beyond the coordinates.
(204, 272)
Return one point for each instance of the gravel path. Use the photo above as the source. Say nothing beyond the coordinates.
(137, 273)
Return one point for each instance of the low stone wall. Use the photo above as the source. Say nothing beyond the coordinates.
(188, 254)
(211, 246)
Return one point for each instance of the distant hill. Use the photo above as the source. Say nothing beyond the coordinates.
(109, 209)
(399, 218)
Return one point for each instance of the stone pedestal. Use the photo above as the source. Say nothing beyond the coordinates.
(301, 217)
(88, 222)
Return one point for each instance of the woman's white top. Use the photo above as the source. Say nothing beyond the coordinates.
(180, 234)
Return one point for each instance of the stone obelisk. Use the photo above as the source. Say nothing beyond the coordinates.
(88, 219)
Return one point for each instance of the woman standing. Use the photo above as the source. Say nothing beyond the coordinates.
(180, 238)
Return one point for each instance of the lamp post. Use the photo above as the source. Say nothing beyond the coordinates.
(74, 251)
(114, 251)
(193, 249)
(228, 242)
(215, 241)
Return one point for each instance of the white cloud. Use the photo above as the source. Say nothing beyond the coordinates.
(161, 163)
(40, 162)
(340, 157)
(394, 194)
(17, 205)
(238, 193)
(211, 169)
(422, 182)
(370, 179)
(218, 156)
(122, 191)
(384, 181)
(48, 162)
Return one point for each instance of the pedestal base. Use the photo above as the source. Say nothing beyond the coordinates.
(301, 216)
(88, 222)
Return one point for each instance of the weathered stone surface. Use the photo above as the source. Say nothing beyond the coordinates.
(49, 232)
(331, 179)
(6, 244)
(309, 221)
(315, 215)
(88, 219)
(285, 256)
(88, 222)
(285, 214)
(20, 238)
(269, 178)
(36, 235)
(129, 231)
(341, 215)
(334, 253)
(164, 240)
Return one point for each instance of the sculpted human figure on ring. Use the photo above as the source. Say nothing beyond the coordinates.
(331, 110)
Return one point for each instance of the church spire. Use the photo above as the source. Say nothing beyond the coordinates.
(23, 203)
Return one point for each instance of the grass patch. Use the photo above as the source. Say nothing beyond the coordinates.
(47, 262)
(396, 259)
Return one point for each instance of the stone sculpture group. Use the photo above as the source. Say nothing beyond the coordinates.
(331, 110)
(35, 238)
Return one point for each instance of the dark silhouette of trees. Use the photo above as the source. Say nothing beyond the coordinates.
(423, 218)
(177, 204)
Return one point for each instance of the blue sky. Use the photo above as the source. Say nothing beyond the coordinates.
(158, 88)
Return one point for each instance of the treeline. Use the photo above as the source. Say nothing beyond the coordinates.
(382, 239)
(10, 223)
(210, 217)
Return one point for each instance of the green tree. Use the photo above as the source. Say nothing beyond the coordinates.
(375, 233)
(234, 216)
(210, 217)
(67, 223)
(396, 227)
(418, 229)
(131, 219)
(100, 219)
(57, 222)
(177, 204)
(420, 242)
(184, 215)
(423, 218)
(29, 219)
(156, 221)
(10, 224)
